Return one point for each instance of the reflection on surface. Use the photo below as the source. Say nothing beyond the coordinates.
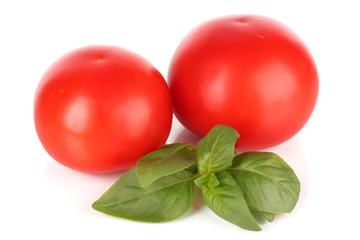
(135, 113)
(77, 115)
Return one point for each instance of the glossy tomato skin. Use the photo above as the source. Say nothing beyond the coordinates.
(250, 72)
(98, 109)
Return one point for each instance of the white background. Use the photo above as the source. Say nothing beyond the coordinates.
(41, 198)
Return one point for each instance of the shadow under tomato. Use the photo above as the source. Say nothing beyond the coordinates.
(185, 136)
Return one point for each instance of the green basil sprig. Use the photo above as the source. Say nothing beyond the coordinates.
(165, 199)
(167, 160)
(268, 183)
(161, 186)
(216, 150)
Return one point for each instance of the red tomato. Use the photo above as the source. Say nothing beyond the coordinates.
(98, 109)
(249, 72)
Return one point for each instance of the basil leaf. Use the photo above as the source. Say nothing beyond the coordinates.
(202, 180)
(164, 161)
(216, 150)
(213, 181)
(165, 199)
(192, 169)
(227, 201)
(261, 216)
(268, 183)
(207, 179)
(269, 216)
